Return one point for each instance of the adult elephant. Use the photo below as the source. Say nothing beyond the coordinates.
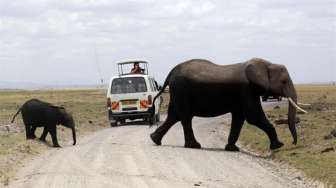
(36, 113)
(201, 88)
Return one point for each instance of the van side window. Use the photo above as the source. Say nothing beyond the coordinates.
(151, 84)
(154, 85)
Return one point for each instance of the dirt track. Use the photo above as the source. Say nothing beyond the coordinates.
(126, 157)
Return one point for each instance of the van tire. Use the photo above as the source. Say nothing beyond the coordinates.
(122, 121)
(114, 124)
(151, 121)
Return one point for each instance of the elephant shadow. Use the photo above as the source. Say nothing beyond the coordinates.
(290, 149)
(268, 155)
(49, 144)
(244, 152)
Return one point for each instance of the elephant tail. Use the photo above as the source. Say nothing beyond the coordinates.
(166, 83)
(17, 113)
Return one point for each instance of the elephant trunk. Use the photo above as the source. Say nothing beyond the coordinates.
(291, 120)
(292, 98)
(74, 135)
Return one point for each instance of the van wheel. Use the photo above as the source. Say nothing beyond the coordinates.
(151, 120)
(114, 124)
(122, 122)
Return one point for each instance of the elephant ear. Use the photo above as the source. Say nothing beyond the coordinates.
(257, 73)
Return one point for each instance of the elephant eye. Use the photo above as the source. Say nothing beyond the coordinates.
(284, 81)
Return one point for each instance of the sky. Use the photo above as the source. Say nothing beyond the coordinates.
(68, 42)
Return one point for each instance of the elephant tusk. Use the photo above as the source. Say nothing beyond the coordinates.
(303, 104)
(296, 106)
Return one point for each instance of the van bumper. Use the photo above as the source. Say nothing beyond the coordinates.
(128, 115)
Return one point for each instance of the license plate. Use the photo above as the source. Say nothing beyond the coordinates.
(129, 102)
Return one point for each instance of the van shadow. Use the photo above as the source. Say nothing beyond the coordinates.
(138, 123)
(47, 143)
(252, 154)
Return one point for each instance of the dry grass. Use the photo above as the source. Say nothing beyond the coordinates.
(86, 106)
(314, 126)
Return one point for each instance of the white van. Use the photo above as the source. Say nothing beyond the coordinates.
(130, 95)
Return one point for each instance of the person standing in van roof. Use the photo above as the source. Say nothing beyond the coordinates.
(137, 69)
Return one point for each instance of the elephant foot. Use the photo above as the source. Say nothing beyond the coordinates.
(231, 147)
(156, 138)
(276, 145)
(194, 145)
(42, 139)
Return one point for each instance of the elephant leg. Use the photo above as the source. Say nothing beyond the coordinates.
(255, 115)
(158, 134)
(28, 127)
(53, 134)
(189, 137)
(258, 119)
(268, 128)
(184, 103)
(237, 123)
(44, 134)
(28, 132)
(32, 132)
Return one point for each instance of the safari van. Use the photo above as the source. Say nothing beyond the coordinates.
(130, 94)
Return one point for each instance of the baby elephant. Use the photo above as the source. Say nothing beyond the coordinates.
(36, 113)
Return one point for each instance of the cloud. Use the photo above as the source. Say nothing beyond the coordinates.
(54, 41)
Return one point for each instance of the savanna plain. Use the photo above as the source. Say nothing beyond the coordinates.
(315, 153)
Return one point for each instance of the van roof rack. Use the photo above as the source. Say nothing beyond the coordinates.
(121, 66)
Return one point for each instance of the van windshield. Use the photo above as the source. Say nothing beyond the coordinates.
(128, 85)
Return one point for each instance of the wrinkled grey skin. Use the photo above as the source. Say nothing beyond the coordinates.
(201, 88)
(36, 113)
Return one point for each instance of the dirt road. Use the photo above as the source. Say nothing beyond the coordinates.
(126, 157)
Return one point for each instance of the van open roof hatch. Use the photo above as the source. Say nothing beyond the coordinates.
(129, 65)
